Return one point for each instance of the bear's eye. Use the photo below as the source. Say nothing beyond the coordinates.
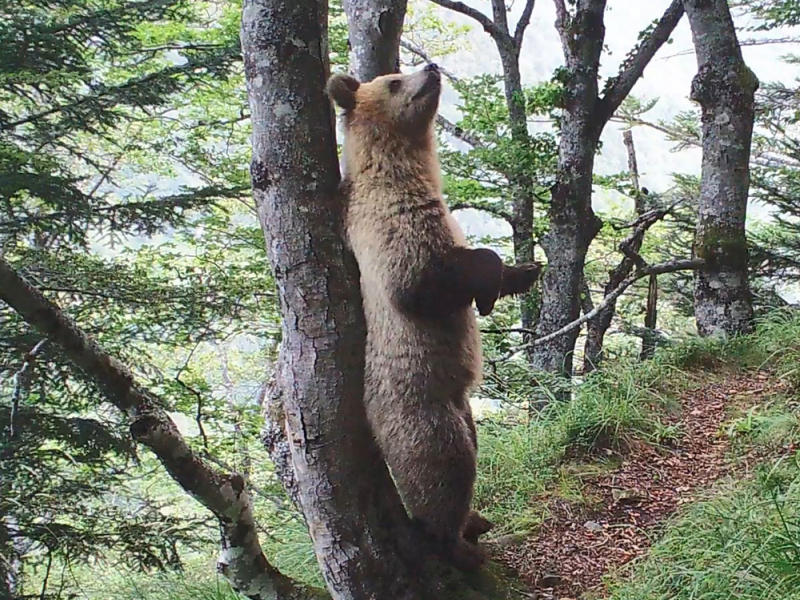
(394, 86)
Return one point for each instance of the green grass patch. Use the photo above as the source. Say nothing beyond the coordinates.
(522, 458)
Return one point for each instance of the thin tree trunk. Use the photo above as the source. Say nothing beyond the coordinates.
(596, 329)
(725, 89)
(573, 224)
(650, 320)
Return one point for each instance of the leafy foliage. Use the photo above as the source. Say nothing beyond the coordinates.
(123, 198)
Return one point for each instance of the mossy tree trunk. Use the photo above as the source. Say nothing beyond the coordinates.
(725, 89)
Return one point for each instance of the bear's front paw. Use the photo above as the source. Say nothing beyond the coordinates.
(519, 278)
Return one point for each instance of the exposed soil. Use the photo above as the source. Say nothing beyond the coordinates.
(581, 542)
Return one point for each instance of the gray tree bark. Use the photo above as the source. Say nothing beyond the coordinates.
(355, 517)
(374, 28)
(725, 89)
(8, 564)
(573, 224)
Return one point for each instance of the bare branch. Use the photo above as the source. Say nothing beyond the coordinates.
(488, 25)
(458, 132)
(487, 208)
(687, 264)
(632, 69)
(22, 383)
(523, 22)
(743, 43)
(633, 167)
(242, 559)
(650, 216)
(500, 16)
(419, 52)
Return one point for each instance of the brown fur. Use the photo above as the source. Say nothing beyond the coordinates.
(418, 281)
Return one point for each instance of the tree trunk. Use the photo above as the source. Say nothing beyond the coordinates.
(522, 185)
(650, 320)
(224, 494)
(573, 224)
(9, 563)
(725, 88)
(374, 28)
(596, 328)
(355, 517)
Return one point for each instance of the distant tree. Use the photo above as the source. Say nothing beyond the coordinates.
(573, 224)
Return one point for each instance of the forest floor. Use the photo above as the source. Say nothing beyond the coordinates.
(622, 508)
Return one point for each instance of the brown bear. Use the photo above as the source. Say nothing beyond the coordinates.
(418, 281)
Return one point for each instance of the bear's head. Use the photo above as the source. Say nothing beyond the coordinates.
(402, 104)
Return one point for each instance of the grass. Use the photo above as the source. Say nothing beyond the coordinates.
(742, 542)
(522, 459)
(194, 584)
(743, 539)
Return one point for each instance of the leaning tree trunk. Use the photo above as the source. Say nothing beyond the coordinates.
(355, 517)
(725, 89)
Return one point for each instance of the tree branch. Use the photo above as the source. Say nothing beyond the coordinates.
(22, 383)
(458, 132)
(488, 25)
(242, 559)
(419, 52)
(688, 264)
(487, 208)
(631, 70)
(562, 24)
(523, 22)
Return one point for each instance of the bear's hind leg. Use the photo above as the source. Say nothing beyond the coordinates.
(435, 474)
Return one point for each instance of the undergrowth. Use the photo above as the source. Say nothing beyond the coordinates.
(520, 456)
(742, 542)
(735, 545)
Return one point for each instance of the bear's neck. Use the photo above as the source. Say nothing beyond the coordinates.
(386, 160)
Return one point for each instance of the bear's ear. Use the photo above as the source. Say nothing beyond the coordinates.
(342, 88)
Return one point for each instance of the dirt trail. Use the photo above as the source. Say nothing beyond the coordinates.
(576, 546)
